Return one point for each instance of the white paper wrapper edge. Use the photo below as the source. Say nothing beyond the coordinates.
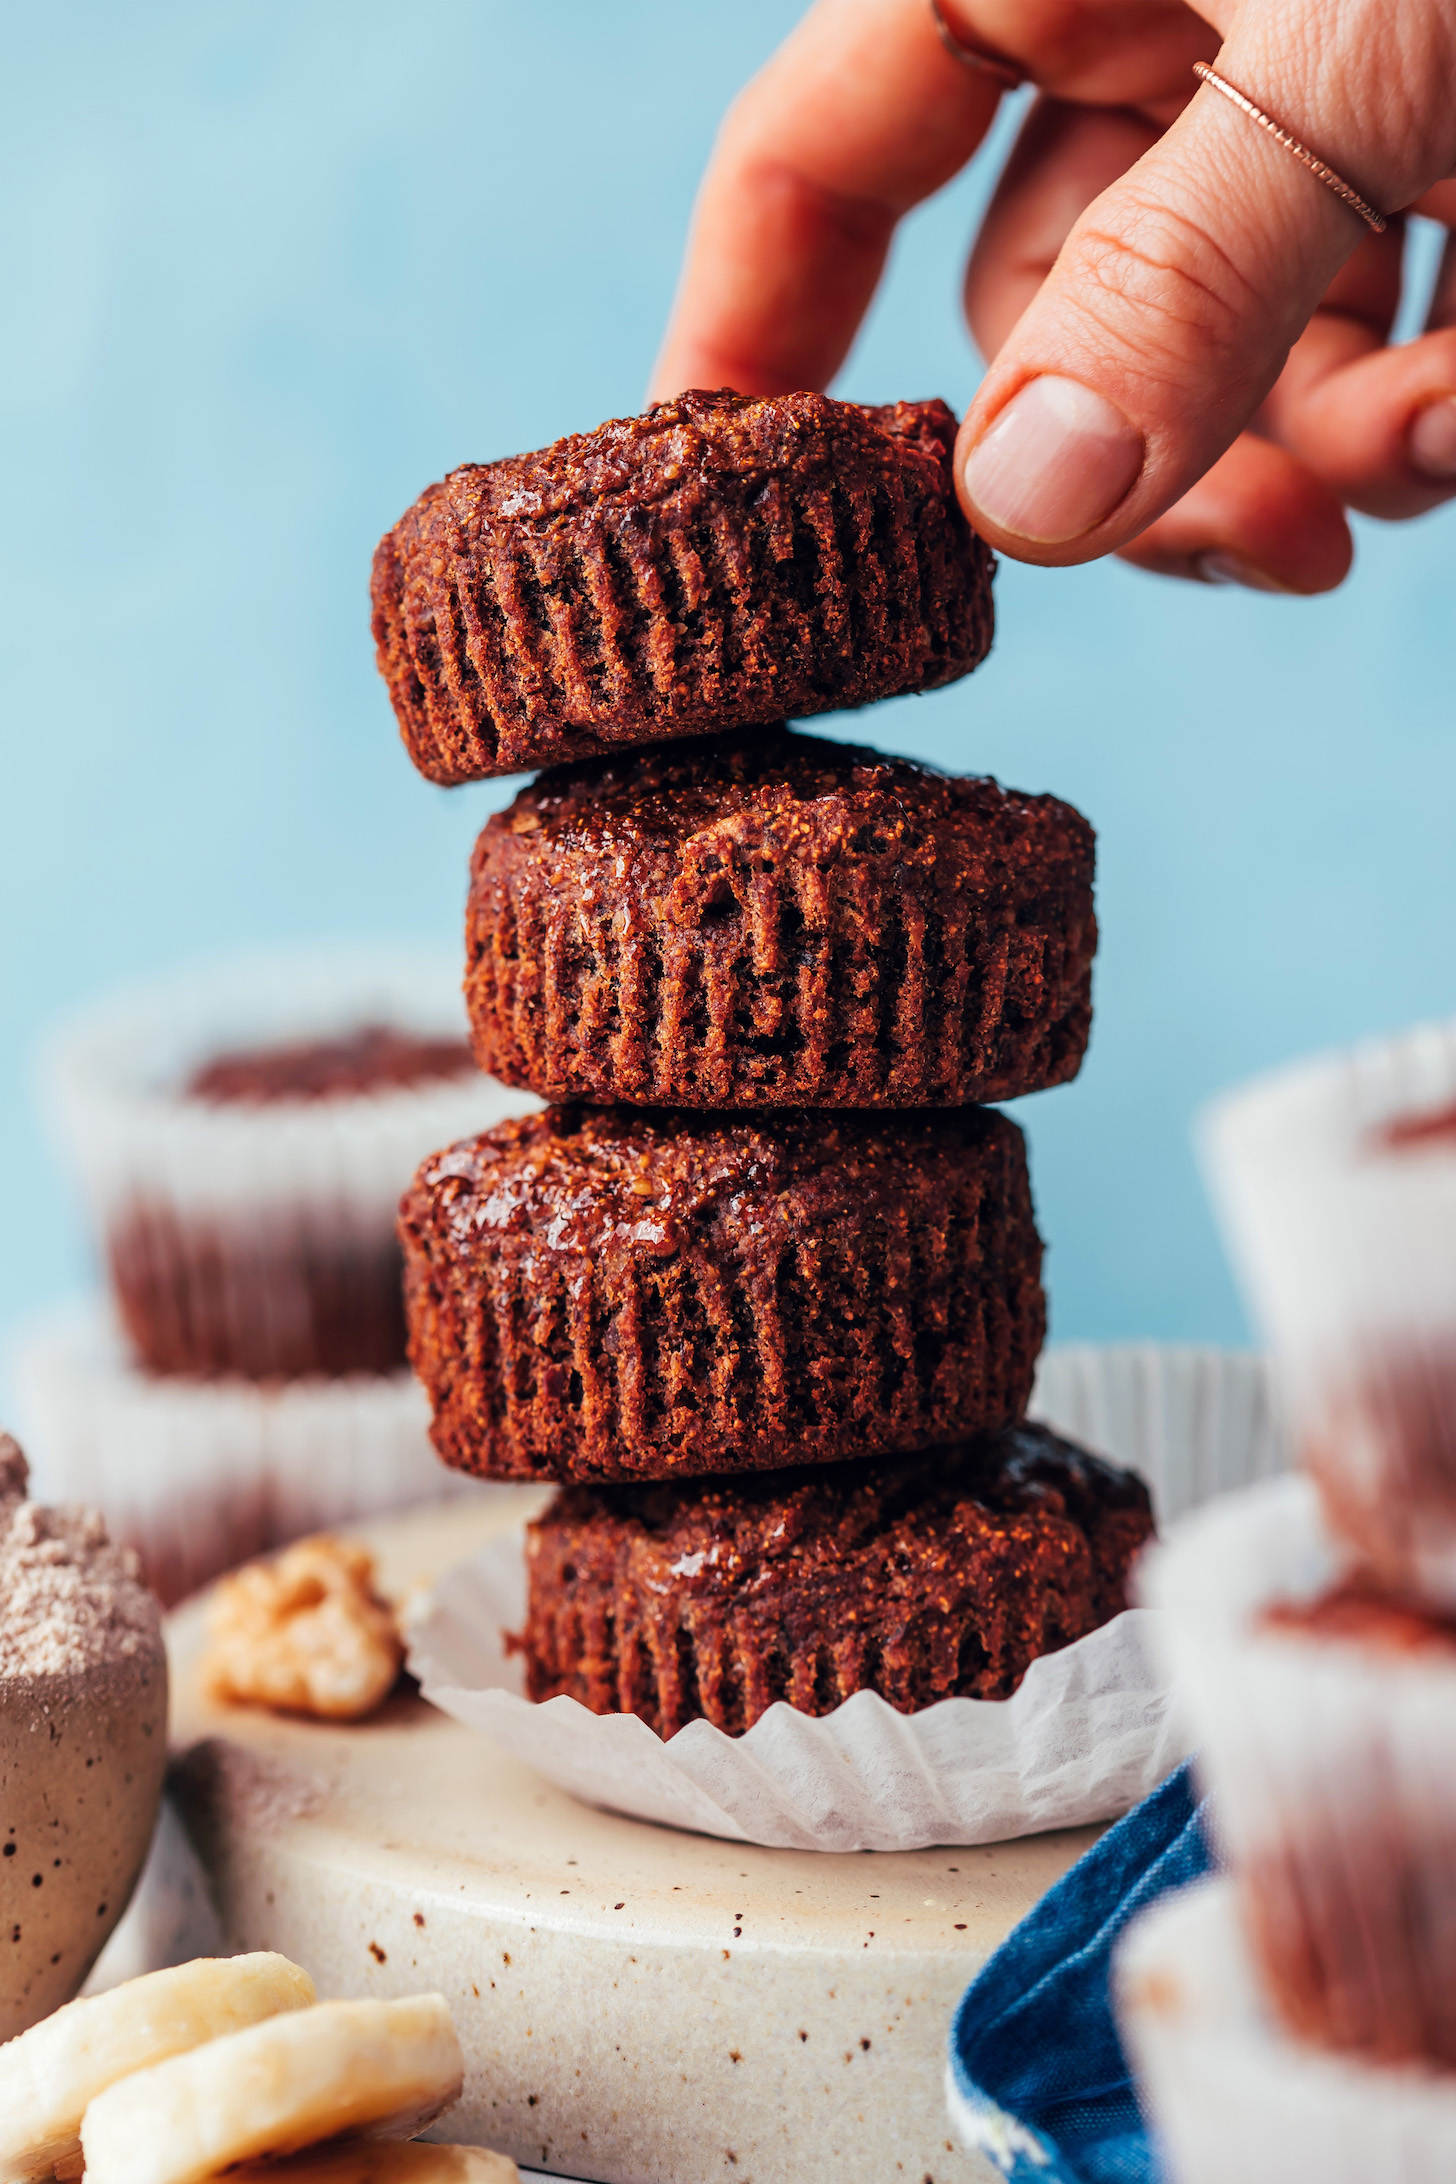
(1343, 1245)
(199, 1475)
(1232, 2096)
(107, 1083)
(1089, 1732)
(1334, 1237)
(1293, 1733)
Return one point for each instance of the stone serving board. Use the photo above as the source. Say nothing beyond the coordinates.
(637, 2005)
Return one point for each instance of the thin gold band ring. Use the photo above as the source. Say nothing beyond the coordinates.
(1374, 220)
(1007, 73)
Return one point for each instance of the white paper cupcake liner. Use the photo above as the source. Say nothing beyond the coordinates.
(1089, 1731)
(229, 1226)
(1190, 1420)
(200, 1475)
(1334, 1772)
(1347, 1252)
(1232, 2098)
(109, 1082)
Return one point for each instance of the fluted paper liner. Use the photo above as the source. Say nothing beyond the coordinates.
(198, 1475)
(1232, 2096)
(1346, 1246)
(258, 1238)
(1190, 1420)
(1333, 1766)
(110, 1079)
(1090, 1730)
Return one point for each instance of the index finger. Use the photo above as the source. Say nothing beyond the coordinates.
(859, 115)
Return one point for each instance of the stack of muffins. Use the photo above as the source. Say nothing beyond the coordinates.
(761, 1290)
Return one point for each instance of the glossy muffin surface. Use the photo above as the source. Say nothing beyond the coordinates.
(616, 1293)
(924, 1577)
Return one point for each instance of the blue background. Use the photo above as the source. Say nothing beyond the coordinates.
(270, 268)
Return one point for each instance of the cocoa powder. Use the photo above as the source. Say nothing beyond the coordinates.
(69, 1600)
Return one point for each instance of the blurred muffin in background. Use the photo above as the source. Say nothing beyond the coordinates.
(240, 1136)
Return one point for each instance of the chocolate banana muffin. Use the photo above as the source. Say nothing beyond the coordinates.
(609, 1293)
(1347, 1899)
(922, 1577)
(719, 560)
(375, 1058)
(774, 920)
(275, 1292)
(209, 1296)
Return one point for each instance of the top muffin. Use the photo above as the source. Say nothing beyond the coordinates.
(720, 560)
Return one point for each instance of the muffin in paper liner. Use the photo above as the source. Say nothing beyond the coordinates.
(257, 1236)
(939, 1574)
(1231, 2096)
(199, 1475)
(1090, 1730)
(1336, 1184)
(1193, 1421)
(1333, 1763)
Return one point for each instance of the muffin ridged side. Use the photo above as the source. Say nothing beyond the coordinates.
(775, 920)
(925, 1577)
(601, 1294)
(721, 559)
(204, 1293)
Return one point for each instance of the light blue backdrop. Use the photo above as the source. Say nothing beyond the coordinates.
(269, 268)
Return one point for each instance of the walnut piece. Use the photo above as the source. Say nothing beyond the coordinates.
(304, 1632)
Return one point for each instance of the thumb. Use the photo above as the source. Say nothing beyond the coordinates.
(1176, 298)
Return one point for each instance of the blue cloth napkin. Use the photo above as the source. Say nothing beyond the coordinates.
(1039, 2077)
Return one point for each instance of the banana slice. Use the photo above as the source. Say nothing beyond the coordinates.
(363, 2163)
(51, 2074)
(341, 2069)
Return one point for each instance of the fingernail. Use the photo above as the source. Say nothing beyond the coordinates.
(1431, 441)
(1217, 568)
(1055, 462)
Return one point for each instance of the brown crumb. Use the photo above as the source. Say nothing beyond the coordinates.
(922, 1576)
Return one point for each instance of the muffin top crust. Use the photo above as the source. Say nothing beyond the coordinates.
(375, 1058)
(698, 444)
(584, 1178)
(822, 800)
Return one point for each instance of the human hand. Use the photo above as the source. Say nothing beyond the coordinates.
(1187, 330)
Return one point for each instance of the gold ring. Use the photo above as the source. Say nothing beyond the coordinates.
(1374, 220)
(1010, 74)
